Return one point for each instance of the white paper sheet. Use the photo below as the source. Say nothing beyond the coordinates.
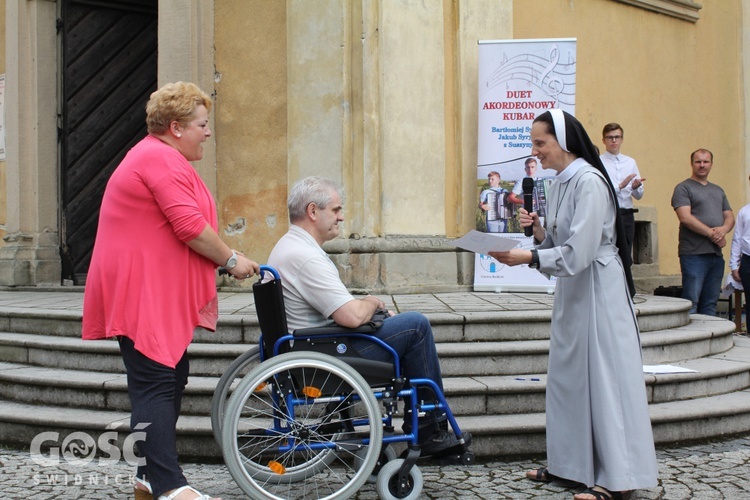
(654, 369)
(484, 243)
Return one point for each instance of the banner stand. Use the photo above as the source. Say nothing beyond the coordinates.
(518, 80)
(516, 288)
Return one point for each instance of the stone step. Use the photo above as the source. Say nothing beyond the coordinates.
(704, 336)
(672, 422)
(481, 395)
(50, 380)
(482, 316)
(494, 435)
(102, 355)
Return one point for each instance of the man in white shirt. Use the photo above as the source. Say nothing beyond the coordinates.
(314, 295)
(538, 194)
(624, 174)
(739, 257)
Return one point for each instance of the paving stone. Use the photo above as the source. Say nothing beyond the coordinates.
(711, 470)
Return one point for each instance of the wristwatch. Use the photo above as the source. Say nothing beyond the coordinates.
(232, 262)
(534, 259)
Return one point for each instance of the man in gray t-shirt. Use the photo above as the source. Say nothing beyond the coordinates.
(705, 219)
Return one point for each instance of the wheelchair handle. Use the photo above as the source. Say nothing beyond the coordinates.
(263, 268)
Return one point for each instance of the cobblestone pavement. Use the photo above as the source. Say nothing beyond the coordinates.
(717, 469)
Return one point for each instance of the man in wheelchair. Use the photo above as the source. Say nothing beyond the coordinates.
(314, 295)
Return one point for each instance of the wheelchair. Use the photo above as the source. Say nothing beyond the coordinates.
(309, 418)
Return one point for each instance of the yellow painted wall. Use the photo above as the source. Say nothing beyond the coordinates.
(674, 86)
(367, 103)
(3, 208)
(251, 123)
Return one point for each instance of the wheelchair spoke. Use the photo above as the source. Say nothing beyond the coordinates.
(280, 442)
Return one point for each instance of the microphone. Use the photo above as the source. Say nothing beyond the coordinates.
(528, 201)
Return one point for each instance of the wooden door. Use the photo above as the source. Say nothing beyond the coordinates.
(109, 66)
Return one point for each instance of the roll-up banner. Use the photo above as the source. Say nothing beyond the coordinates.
(518, 81)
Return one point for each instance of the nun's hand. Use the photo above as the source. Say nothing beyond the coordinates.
(528, 219)
(531, 219)
(513, 257)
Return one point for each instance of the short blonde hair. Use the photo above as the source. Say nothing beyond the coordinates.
(174, 102)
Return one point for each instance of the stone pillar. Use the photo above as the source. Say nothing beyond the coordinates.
(31, 253)
(746, 86)
(186, 53)
(382, 97)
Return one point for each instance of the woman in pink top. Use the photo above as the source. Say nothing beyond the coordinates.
(152, 275)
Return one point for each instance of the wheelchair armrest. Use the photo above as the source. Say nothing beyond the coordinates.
(375, 322)
(331, 330)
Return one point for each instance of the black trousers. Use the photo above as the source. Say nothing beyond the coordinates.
(745, 278)
(155, 397)
(628, 222)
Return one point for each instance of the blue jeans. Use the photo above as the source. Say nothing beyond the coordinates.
(410, 335)
(155, 397)
(701, 281)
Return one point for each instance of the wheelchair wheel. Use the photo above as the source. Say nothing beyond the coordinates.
(294, 425)
(387, 484)
(240, 366)
(387, 453)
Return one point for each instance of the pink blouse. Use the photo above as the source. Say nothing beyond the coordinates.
(144, 282)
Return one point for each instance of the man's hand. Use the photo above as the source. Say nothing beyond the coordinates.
(379, 304)
(736, 275)
(626, 181)
(717, 235)
(358, 311)
(637, 183)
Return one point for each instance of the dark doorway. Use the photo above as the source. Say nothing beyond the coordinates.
(109, 66)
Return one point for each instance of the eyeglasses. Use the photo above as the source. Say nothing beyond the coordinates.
(613, 137)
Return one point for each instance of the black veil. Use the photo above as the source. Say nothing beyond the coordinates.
(577, 141)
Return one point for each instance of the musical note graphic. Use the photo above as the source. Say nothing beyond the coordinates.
(543, 71)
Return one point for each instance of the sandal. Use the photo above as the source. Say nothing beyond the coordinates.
(601, 493)
(542, 475)
(145, 492)
(176, 492)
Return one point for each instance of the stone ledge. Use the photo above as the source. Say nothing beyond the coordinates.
(391, 244)
(686, 10)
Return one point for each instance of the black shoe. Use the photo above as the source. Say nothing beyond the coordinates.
(442, 442)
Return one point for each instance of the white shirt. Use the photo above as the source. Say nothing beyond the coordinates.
(741, 238)
(619, 167)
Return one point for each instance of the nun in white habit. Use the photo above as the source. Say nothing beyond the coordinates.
(598, 426)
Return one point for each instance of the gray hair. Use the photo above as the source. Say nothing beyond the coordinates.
(314, 189)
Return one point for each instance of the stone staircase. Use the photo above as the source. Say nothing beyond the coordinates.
(493, 350)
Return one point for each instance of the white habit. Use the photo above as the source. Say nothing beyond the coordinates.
(598, 426)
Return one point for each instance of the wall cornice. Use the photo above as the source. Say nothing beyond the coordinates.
(686, 10)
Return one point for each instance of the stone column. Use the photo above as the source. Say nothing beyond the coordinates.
(186, 53)
(382, 97)
(746, 86)
(31, 253)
